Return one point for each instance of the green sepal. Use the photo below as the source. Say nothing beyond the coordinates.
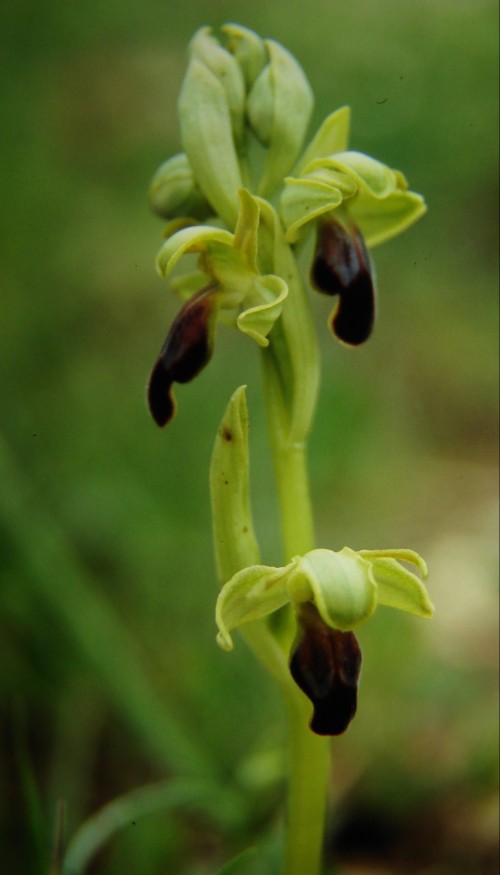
(303, 201)
(381, 219)
(399, 588)
(207, 137)
(251, 594)
(341, 586)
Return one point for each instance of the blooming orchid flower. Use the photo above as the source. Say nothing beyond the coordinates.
(227, 285)
(333, 592)
(355, 203)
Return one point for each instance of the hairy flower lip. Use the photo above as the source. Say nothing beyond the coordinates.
(186, 351)
(341, 266)
(326, 663)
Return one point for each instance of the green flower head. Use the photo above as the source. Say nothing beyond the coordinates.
(354, 203)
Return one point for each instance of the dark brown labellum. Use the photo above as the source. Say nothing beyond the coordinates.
(186, 351)
(326, 664)
(341, 266)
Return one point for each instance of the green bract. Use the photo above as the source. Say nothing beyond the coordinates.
(345, 587)
(362, 191)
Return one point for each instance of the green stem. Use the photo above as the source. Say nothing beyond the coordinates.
(307, 793)
(309, 753)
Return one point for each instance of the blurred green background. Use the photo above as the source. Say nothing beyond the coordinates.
(111, 677)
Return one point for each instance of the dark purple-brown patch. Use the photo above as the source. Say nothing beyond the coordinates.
(326, 664)
(341, 266)
(186, 351)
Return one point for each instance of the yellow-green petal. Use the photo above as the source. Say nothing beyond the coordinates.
(257, 321)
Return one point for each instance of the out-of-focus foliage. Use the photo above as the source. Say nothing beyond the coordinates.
(110, 674)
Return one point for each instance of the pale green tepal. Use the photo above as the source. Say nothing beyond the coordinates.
(345, 586)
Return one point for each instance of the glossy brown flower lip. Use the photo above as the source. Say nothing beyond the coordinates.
(341, 266)
(186, 351)
(326, 665)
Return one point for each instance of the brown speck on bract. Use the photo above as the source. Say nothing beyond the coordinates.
(227, 433)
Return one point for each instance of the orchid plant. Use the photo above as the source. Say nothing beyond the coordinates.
(244, 197)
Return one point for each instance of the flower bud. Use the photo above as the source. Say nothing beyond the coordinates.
(208, 140)
(248, 49)
(206, 48)
(260, 106)
(173, 192)
(279, 107)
